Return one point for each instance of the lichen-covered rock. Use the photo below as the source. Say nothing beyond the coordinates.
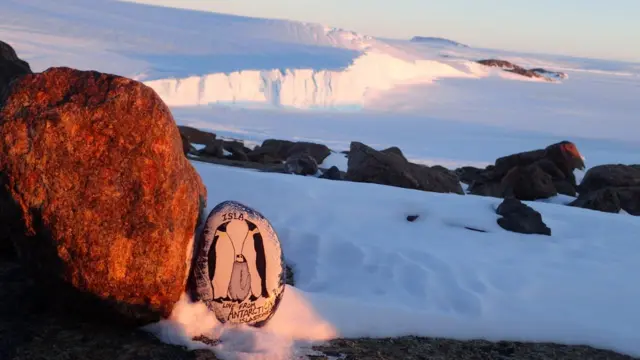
(92, 166)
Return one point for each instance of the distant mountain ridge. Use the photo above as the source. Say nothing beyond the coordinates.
(437, 40)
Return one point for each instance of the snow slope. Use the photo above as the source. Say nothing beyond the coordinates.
(361, 269)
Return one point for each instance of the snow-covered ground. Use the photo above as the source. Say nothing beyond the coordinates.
(361, 268)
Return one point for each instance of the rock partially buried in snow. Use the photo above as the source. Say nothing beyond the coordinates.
(520, 218)
(301, 164)
(96, 193)
(239, 271)
(557, 160)
(371, 166)
(603, 176)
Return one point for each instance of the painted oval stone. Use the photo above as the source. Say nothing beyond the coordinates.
(239, 271)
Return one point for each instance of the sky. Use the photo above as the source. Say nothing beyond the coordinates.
(591, 28)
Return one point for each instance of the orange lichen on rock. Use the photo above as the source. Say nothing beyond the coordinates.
(92, 167)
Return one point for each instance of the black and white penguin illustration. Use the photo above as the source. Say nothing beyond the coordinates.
(239, 270)
(242, 273)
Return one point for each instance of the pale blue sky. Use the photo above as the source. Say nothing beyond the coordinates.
(593, 28)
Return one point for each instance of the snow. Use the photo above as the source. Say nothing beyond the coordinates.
(361, 269)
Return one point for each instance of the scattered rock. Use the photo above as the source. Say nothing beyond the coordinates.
(237, 149)
(318, 151)
(279, 150)
(520, 218)
(214, 149)
(187, 148)
(507, 66)
(333, 173)
(612, 200)
(557, 160)
(469, 174)
(603, 176)
(371, 166)
(557, 75)
(11, 67)
(115, 221)
(412, 218)
(196, 136)
(301, 164)
(528, 183)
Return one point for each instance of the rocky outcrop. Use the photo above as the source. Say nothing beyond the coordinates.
(540, 174)
(301, 164)
(196, 136)
(273, 150)
(11, 67)
(611, 188)
(371, 166)
(605, 176)
(333, 173)
(612, 200)
(520, 218)
(96, 193)
(538, 73)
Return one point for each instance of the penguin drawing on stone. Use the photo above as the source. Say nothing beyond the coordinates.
(241, 275)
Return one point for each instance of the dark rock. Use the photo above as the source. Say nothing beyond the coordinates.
(550, 74)
(275, 167)
(487, 187)
(507, 66)
(504, 164)
(605, 200)
(115, 222)
(214, 149)
(187, 148)
(318, 151)
(333, 173)
(395, 151)
(371, 166)
(237, 149)
(520, 218)
(301, 164)
(557, 160)
(11, 67)
(611, 200)
(528, 183)
(196, 136)
(603, 176)
(412, 218)
(469, 174)
(279, 150)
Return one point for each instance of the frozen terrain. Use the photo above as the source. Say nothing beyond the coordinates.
(361, 268)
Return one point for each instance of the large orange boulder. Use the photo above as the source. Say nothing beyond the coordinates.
(97, 195)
